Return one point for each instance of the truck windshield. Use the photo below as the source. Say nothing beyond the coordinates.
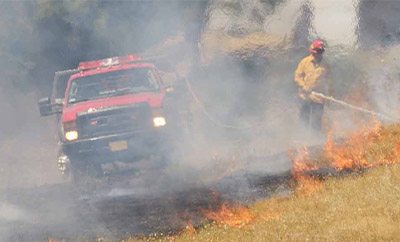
(112, 84)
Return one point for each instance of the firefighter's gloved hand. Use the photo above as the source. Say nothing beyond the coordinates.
(304, 94)
(307, 93)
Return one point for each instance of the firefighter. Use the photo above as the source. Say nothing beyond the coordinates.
(313, 74)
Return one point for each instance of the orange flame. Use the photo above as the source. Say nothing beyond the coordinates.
(307, 186)
(303, 183)
(190, 228)
(302, 162)
(235, 217)
(351, 154)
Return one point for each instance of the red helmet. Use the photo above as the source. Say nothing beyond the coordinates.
(317, 47)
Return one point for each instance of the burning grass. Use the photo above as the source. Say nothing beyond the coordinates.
(353, 153)
(349, 208)
(371, 146)
(236, 217)
(335, 208)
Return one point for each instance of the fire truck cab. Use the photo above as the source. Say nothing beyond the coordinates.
(109, 110)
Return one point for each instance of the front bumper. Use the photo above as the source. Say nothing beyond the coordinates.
(138, 143)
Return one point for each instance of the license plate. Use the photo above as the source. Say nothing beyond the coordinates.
(118, 145)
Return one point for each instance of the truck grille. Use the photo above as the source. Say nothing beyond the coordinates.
(115, 120)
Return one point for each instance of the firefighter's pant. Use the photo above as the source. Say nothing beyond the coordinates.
(311, 114)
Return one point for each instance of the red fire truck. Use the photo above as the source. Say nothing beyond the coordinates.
(109, 110)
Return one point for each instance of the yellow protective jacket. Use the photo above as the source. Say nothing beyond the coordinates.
(311, 76)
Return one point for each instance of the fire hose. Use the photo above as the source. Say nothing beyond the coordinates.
(207, 114)
(334, 100)
(328, 98)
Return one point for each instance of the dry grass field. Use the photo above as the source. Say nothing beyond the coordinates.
(363, 205)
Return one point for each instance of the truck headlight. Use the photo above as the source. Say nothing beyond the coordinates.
(71, 135)
(159, 121)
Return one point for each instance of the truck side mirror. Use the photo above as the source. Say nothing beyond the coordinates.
(46, 108)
